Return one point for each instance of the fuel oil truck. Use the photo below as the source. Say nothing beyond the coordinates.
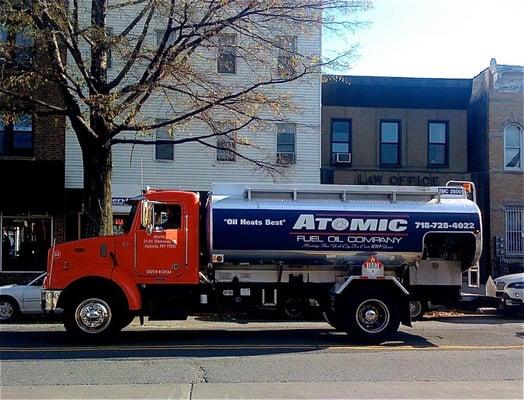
(359, 253)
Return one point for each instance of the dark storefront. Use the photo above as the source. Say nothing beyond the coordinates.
(31, 214)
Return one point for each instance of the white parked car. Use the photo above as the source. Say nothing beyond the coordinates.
(21, 299)
(510, 289)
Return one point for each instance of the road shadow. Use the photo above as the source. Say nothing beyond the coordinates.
(41, 345)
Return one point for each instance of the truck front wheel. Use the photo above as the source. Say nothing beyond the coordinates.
(372, 316)
(91, 316)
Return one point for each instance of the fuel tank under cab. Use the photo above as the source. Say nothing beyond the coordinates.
(334, 224)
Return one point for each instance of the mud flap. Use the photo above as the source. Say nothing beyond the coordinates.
(405, 313)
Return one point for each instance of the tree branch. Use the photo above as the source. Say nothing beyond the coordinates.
(136, 50)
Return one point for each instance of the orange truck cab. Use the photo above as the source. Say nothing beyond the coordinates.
(164, 252)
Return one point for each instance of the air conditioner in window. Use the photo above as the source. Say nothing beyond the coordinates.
(343, 158)
(286, 158)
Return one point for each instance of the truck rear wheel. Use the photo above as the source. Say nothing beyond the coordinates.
(92, 316)
(372, 316)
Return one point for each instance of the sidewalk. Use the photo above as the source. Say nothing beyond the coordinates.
(292, 390)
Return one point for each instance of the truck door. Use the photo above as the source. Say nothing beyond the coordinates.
(161, 255)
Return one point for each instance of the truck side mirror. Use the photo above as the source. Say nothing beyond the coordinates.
(147, 216)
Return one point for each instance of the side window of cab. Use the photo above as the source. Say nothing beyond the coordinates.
(167, 216)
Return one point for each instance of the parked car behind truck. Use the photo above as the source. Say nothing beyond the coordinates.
(21, 299)
(360, 252)
(510, 291)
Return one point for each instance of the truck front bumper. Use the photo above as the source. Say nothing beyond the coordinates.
(50, 299)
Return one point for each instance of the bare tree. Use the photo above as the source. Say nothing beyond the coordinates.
(165, 49)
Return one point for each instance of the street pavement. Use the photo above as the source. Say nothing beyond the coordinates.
(471, 356)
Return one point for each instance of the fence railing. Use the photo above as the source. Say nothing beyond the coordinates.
(515, 231)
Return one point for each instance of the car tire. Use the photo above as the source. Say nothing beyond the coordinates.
(510, 311)
(9, 309)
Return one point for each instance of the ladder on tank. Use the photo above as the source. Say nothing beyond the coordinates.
(391, 194)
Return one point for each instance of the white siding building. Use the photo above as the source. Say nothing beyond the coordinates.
(295, 141)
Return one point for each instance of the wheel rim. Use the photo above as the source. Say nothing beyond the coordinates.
(415, 308)
(6, 310)
(372, 316)
(93, 315)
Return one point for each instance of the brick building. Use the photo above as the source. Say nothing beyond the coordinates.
(32, 154)
(394, 131)
(496, 143)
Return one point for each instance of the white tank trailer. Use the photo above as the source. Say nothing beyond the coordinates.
(425, 237)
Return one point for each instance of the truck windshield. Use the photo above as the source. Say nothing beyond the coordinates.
(128, 220)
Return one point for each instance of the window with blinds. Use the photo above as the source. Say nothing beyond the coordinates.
(515, 231)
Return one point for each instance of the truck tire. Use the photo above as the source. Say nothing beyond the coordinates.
(92, 316)
(372, 316)
(294, 308)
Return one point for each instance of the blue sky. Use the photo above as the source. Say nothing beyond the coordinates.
(435, 38)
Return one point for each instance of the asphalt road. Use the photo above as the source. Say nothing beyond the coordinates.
(473, 356)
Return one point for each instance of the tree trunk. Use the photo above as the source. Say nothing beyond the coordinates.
(97, 191)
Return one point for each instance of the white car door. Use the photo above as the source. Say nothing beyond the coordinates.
(32, 297)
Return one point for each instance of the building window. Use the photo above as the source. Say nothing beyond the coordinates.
(513, 144)
(340, 141)
(226, 57)
(226, 141)
(224, 146)
(164, 151)
(438, 144)
(286, 59)
(16, 137)
(25, 241)
(390, 143)
(515, 231)
(286, 143)
(18, 46)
